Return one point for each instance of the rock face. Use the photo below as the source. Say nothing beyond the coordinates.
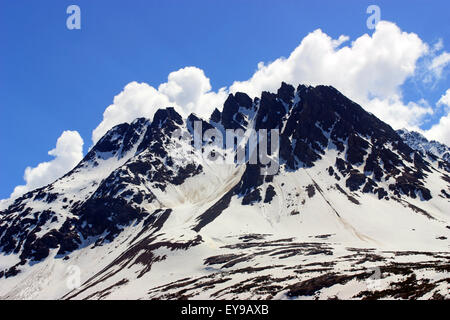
(141, 191)
(419, 143)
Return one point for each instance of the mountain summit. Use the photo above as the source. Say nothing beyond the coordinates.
(146, 214)
(428, 148)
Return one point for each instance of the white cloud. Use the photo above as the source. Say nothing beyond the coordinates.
(441, 130)
(439, 63)
(370, 71)
(136, 100)
(434, 64)
(439, 45)
(187, 90)
(68, 152)
(445, 99)
(400, 115)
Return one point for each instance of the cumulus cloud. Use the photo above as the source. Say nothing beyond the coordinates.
(68, 152)
(369, 70)
(398, 114)
(136, 100)
(441, 130)
(375, 65)
(187, 90)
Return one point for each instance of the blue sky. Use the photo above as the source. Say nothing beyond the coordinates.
(54, 79)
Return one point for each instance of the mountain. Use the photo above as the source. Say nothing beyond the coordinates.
(430, 148)
(351, 210)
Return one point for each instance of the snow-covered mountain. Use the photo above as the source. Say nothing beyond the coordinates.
(418, 142)
(352, 212)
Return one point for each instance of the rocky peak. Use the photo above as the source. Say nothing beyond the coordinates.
(286, 92)
(163, 115)
(216, 116)
(117, 142)
(418, 142)
(232, 116)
